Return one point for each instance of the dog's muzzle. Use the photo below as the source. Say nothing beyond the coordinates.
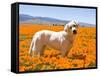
(74, 32)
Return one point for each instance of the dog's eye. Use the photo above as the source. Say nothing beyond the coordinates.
(74, 25)
(70, 27)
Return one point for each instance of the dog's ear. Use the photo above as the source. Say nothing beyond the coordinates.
(66, 28)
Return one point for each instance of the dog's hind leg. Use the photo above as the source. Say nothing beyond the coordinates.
(31, 46)
(41, 53)
(33, 51)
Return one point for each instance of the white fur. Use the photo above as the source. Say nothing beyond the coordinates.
(61, 40)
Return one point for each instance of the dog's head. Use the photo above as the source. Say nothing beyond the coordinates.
(71, 27)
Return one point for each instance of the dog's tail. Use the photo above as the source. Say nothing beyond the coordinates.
(31, 46)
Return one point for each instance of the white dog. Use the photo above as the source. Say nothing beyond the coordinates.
(62, 40)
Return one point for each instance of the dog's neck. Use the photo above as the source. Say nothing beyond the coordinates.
(70, 37)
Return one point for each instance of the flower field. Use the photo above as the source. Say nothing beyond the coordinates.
(82, 54)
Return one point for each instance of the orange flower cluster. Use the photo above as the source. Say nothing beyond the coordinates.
(82, 54)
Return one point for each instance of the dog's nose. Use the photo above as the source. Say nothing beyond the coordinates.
(74, 32)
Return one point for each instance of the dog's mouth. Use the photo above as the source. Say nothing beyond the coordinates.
(74, 32)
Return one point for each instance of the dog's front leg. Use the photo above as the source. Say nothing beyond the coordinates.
(68, 50)
(64, 52)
